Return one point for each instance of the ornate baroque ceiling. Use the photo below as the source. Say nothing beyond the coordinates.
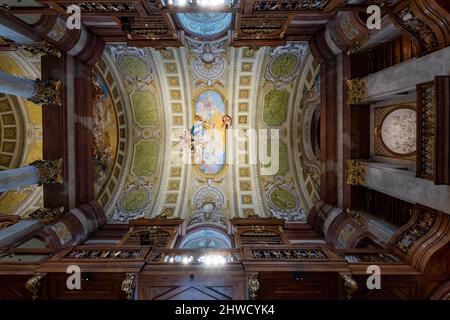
(148, 100)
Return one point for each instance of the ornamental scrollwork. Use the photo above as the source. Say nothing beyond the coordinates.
(355, 173)
(47, 215)
(357, 90)
(253, 285)
(289, 5)
(34, 284)
(47, 92)
(49, 171)
(40, 48)
(128, 285)
(350, 285)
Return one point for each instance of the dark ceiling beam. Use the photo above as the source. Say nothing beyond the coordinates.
(28, 10)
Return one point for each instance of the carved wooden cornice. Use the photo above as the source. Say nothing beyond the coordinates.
(425, 22)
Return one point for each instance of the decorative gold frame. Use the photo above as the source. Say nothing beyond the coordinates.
(380, 114)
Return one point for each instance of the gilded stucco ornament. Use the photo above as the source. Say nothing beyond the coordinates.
(166, 213)
(47, 92)
(355, 173)
(355, 216)
(253, 285)
(34, 284)
(128, 285)
(40, 48)
(350, 285)
(46, 215)
(50, 171)
(356, 90)
(208, 63)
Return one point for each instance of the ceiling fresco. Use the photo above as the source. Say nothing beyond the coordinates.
(191, 123)
(20, 135)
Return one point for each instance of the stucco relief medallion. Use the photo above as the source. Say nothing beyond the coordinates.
(398, 131)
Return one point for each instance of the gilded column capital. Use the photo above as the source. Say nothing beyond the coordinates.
(356, 173)
(34, 284)
(50, 171)
(357, 90)
(47, 92)
(46, 215)
(129, 284)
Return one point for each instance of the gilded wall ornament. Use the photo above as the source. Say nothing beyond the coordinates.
(104, 254)
(350, 285)
(356, 173)
(253, 285)
(128, 285)
(357, 90)
(47, 92)
(40, 48)
(289, 254)
(50, 171)
(46, 215)
(355, 216)
(34, 284)
(166, 213)
(287, 5)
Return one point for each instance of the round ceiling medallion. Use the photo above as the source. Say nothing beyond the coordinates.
(398, 131)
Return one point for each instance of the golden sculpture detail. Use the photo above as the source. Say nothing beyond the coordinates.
(355, 173)
(250, 214)
(253, 285)
(356, 90)
(50, 171)
(47, 92)
(355, 216)
(40, 48)
(350, 285)
(46, 215)
(129, 284)
(34, 284)
(167, 212)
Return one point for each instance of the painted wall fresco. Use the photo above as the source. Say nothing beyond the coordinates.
(105, 133)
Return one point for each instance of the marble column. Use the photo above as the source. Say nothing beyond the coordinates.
(36, 91)
(38, 172)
